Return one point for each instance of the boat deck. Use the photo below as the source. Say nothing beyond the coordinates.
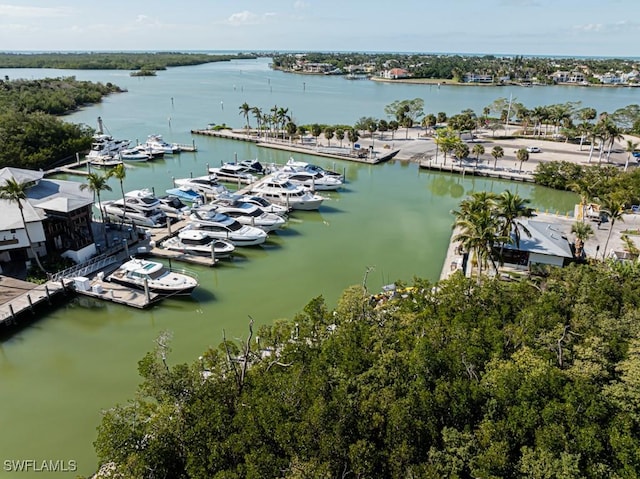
(118, 293)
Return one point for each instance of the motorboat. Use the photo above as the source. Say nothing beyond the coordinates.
(254, 167)
(248, 214)
(156, 142)
(124, 211)
(303, 165)
(153, 276)
(106, 145)
(279, 189)
(133, 154)
(234, 173)
(150, 151)
(262, 203)
(197, 242)
(221, 226)
(310, 179)
(105, 161)
(187, 194)
(173, 205)
(207, 185)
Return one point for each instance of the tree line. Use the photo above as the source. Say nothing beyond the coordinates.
(30, 133)
(113, 60)
(531, 378)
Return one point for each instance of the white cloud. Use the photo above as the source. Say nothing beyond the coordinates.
(617, 27)
(17, 11)
(249, 18)
(300, 5)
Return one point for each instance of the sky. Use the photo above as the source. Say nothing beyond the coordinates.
(592, 28)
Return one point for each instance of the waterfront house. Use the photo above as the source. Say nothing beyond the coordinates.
(477, 78)
(548, 245)
(57, 214)
(395, 73)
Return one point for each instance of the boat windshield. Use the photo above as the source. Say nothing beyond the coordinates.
(234, 226)
(159, 273)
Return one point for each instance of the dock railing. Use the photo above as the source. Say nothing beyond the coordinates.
(88, 267)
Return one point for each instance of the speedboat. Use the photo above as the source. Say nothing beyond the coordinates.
(233, 172)
(221, 226)
(105, 161)
(199, 243)
(262, 203)
(311, 167)
(133, 154)
(206, 185)
(248, 214)
(123, 211)
(150, 151)
(254, 167)
(173, 205)
(187, 194)
(280, 190)
(310, 179)
(154, 276)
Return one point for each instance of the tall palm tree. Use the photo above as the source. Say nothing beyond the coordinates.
(97, 183)
(587, 190)
(522, 155)
(16, 192)
(119, 172)
(612, 134)
(582, 231)
(477, 150)
(257, 114)
(245, 109)
(496, 152)
(630, 147)
(614, 210)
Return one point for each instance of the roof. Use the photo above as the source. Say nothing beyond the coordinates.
(20, 175)
(11, 219)
(546, 238)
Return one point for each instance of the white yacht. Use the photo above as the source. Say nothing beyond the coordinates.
(123, 211)
(221, 226)
(105, 161)
(248, 214)
(133, 154)
(303, 165)
(207, 185)
(105, 145)
(174, 206)
(156, 142)
(310, 179)
(199, 243)
(280, 190)
(262, 203)
(154, 276)
(234, 173)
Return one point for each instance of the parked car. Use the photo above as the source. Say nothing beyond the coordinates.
(533, 149)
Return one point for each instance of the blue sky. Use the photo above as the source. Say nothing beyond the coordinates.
(526, 27)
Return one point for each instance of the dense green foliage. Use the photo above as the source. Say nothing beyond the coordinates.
(31, 137)
(498, 379)
(453, 67)
(111, 60)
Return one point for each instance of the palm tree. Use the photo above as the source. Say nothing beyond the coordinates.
(477, 150)
(630, 147)
(587, 191)
(510, 208)
(612, 134)
(120, 173)
(582, 231)
(97, 183)
(497, 152)
(478, 232)
(339, 135)
(16, 192)
(614, 210)
(522, 155)
(257, 114)
(245, 109)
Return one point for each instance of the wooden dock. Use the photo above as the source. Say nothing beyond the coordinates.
(117, 293)
(19, 297)
(513, 175)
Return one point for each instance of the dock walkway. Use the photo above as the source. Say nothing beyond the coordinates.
(18, 297)
(481, 170)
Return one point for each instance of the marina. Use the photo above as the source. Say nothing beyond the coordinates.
(393, 217)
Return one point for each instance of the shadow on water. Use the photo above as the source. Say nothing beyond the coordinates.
(29, 319)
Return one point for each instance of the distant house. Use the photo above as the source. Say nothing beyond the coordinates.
(547, 245)
(477, 78)
(395, 73)
(58, 216)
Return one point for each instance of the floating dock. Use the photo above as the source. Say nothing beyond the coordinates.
(20, 297)
(513, 175)
(117, 293)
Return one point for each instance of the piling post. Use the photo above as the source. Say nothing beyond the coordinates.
(208, 172)
(169, 225)
(13, 315)
(146, 290)
(30, 302)
(46, 290)
(64, 289)
(126, 246)
(213, 252)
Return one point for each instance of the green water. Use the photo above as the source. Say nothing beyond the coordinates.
(59, 372)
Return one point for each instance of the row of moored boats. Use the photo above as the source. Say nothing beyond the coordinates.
(217, 219)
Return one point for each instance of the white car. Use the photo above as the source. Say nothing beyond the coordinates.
(533, 149)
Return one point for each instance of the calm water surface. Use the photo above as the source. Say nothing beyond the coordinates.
(57, 374)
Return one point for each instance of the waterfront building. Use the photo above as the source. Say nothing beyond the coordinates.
(57, 214)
